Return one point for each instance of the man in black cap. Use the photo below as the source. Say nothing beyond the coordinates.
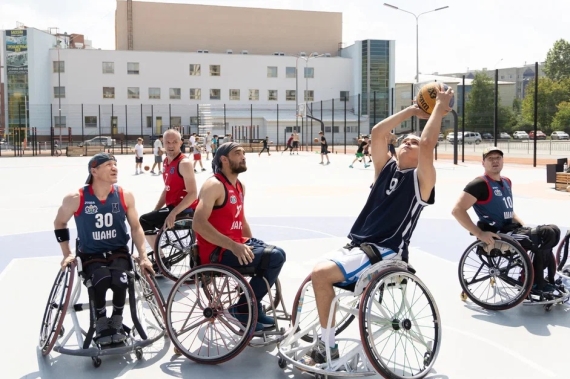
(491, 197)
(100, 209)
(223, 234)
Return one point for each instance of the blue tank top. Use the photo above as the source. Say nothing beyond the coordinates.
(392, 210)
(497, 210)
(101, 225)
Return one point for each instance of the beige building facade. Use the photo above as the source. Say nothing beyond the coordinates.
(220, 29)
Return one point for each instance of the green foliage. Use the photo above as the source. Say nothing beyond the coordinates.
(480, 105)
(550, 94)
(507, 120)
(517, 106)
(561, 120)
(557, 64)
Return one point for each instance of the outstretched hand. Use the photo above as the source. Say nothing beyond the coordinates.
(418, 112)
(444, 97)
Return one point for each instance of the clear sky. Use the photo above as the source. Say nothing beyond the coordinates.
(469, 34)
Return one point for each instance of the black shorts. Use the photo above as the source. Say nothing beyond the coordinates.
(295, 144)
(324, 149)
(118, 260)
(152, 221)
(139, 159)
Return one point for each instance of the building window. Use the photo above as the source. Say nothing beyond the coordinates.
(272, 95)
(309, 72)
(195, 70)
(271, 71)
(175, 94)
(133, 93)
(290, 72)
(132, 68)
(154, 93)
(108, 67)
(59, 66)
(309, 95)
(290, 95)
(90, 121)
(195, 94)
(253, 94)
(344, 95)
(215, 94)
(60, 121)
(215, 70)
(234, 94)
(108, 92)
(59, 92)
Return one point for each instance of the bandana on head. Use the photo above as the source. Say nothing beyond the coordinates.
(223, 151)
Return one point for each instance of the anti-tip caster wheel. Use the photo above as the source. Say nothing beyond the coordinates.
(61, 332)
(138, 353)
(96, 361)
(177, 352)
(463, 296)
(548, 307)
(282, 363)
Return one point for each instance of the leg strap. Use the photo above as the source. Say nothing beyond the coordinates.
(370, 250)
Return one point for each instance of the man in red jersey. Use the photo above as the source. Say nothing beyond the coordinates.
(223, 234)
(179, 188)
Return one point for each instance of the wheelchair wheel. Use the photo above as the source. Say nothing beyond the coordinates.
(198, 319)
(56, 308)
(305, 310)
(400, 326)
(173, 249)
(499, 279)
(562, 252)
(152, 295)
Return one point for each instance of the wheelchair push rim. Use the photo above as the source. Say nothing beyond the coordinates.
(152, 295)
(172, 249)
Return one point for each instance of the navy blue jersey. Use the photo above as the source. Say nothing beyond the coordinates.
(497, 209)
(101, 225)
(391, 211)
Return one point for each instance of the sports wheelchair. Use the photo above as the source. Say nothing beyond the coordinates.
(143, 295)
(501, 276)
(198, 320)
(171, 252)
(398, 321)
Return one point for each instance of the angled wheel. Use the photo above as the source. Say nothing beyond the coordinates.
(173, 249)
(496, 278)
(198, 319)
(400, 326)
(56, 307)
(562, 252)
(152, 295)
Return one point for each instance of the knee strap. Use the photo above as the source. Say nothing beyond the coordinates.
(373, 255)
(265, 259)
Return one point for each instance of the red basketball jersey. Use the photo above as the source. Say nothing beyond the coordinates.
(173, 181)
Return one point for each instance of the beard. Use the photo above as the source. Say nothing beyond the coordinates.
(238, 168)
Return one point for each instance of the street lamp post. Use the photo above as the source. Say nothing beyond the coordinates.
(306, 59)
(417, 40)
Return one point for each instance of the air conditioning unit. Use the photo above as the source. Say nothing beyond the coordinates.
(245, 52)
(327, 55)
(229, 51)
(282, 54)
(203, 51)
(276, 53)
(302, 54)
(315, 54)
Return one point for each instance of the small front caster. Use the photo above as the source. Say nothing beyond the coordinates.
(463, 296)
(282, 363)
(176, 351)
(138, 353)
(96, 361)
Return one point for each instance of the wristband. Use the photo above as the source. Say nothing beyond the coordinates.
(62, 235)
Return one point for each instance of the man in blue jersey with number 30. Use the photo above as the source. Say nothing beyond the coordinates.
(382, 231)
(100, 209)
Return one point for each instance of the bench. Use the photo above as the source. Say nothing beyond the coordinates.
(562, 181)
(85, 151)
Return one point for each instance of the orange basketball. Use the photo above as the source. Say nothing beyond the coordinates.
(427, 94)
(146, 168)
(316, 139)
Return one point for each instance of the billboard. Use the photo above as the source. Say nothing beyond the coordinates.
(16, 51)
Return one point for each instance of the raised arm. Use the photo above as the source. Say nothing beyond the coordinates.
(69, 205)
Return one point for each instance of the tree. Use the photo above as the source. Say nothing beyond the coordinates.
(480, 105)
(550, 94)
(507, 120)
(557, 64)
(561, 120)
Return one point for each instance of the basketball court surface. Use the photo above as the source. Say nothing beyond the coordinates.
(307, 209)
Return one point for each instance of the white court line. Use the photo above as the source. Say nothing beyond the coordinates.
(295, 228)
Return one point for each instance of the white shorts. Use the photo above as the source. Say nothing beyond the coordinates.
(353, 262)
(209, 148)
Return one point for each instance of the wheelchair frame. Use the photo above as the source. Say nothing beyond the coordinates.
(361, 359)
(53, 334)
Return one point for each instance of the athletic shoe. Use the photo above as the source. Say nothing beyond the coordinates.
(318, 354)
(350, 166)
(103, 333)
(242, 318)
(116, 324)
(264, 319)
(366, 165)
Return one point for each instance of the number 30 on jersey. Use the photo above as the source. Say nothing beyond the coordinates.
(103, 220)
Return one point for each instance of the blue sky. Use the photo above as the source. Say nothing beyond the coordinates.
(469, 34)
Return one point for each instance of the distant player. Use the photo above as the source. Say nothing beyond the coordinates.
(324, 148)
(289, 145)
(265, 147)
(139, 156)
(360, 152)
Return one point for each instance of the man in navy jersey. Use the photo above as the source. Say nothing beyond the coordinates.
(402, 188)
(179, 188)
(100, 209)
(491, 197)
(223, 234)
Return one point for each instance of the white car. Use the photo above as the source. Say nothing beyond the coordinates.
(520, 135)
(470, 137)
(99, 141)
(559, 135)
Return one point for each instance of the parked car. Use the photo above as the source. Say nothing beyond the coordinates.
(440, 137)
(487, 136)
(470, 137)
(559, 135)
(520, 135)
(539, 135)
(99, 141)
(504, 135)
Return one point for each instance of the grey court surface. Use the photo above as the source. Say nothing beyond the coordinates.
(307, 209)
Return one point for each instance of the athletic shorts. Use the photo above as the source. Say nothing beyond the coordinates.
(359, 155)
(295, 144)
(354, 261)
(158, 159)
(324, 149)
(208, 148)
(139, 159)
(197, 157)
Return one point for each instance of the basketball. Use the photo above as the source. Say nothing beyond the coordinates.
(316, 139)
(146, 168)
(427, 94)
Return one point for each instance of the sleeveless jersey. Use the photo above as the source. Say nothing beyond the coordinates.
(497, 209)
(361, 147)
(101, 225)
(173, 181)
(392, 210)
(226, 218)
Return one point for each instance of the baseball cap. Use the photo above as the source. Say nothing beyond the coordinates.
(96, 161)
(492, 149)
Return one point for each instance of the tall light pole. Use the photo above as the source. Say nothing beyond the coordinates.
(59, 91)
(306, 59)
